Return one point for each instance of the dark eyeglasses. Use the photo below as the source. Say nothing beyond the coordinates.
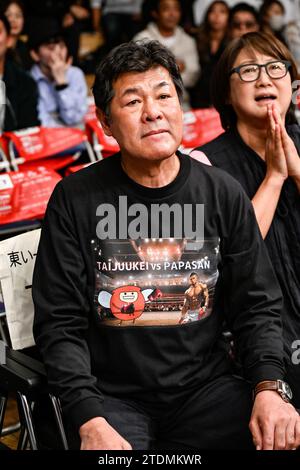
(247, 24)
(250, 72)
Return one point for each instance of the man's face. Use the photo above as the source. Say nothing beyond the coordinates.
(145, 115)
(47, 53)
(243, 22)
(168, 14)
(194, 280)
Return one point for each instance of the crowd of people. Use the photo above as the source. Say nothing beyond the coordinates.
(42, 42)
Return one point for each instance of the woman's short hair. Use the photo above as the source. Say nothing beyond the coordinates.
(252, 42)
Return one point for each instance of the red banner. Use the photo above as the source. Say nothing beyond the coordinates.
(39, 142)
(24, 194)
(200, 126)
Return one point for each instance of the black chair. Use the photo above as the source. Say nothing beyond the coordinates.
(22, 375)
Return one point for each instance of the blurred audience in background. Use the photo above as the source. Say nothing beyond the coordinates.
(272, 18)
(120, 20)
(243, 19)
(211, 41)
(165, 28)
(18, 51)
(292, 38)
(19, 93)
(68, 14)
(62, 87)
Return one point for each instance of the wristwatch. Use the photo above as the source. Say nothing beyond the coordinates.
(279, 386)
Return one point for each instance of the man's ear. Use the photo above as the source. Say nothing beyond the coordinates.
(104, 121)
(34, 55)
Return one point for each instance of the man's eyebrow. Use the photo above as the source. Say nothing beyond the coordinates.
(138, 90)
(161, 84)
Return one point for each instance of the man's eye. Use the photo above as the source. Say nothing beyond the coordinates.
(164, 96)
(132, 103)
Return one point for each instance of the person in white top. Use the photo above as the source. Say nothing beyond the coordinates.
(165, 29)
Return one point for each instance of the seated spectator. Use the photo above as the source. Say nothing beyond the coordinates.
(211, 41)
(21, 97)
(243, 19)
(166, 30)
(152, 382)
(272, 19)
(119, 19)
(14, 12)
(261, 148)
(62, 87)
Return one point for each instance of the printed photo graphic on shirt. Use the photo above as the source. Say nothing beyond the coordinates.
(154, 281)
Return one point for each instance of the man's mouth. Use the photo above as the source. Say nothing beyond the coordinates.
(159, 131)
(265, 97)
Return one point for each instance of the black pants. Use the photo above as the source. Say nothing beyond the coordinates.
(215, 416)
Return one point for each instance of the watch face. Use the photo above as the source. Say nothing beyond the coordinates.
(287, 390)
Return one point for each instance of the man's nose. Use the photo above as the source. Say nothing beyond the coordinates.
(151, 111)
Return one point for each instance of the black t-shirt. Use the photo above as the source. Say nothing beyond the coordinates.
(112, 271)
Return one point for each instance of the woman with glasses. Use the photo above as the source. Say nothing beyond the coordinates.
(253, 92)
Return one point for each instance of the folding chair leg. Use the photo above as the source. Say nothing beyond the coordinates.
(3, 402)
(23, 439)
(59, 421)
(3, 334)
(28, 420)
(11, 429)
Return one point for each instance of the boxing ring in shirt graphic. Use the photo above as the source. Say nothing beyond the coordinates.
(154, 282)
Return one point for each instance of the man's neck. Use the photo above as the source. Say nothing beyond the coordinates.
(151, 174)
(254, 137)
(167, 33)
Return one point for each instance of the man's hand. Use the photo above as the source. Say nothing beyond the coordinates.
(274, 424)
(97, 434)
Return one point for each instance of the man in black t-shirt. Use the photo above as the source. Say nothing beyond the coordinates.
(139, 221)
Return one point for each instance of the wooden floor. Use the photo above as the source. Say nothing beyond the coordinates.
(11, 417)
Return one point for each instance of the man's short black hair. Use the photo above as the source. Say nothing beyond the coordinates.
(242, 6)
(133, 56)
(193, 274)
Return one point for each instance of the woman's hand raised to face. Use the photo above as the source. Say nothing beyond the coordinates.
(275, 154)
(290, 151)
